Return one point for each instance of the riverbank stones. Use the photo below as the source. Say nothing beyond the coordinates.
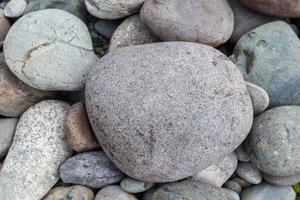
(7, 130)
(113, 192)
(144, 103)
(135, 186)
(190, 20)
(266, 56)
(15, 8)
(76, 192)
(44, 42)
(93, 169)
(39, 147)
(4, 24)
(249, 173)
(273, 143)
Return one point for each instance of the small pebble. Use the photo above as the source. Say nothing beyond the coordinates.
(233, 185)
(259, 97)
(135, 186)
(242, 154)
(15, 8)
(114, 192)
(76, 192)
(232, 195)
(7, 130)
(241, 182)
(248, 172)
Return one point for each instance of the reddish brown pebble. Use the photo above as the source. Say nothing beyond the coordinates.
(78, 131)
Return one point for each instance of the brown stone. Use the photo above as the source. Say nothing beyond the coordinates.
(4, 25)
(76, 192)
(280, 8)
(78, 130)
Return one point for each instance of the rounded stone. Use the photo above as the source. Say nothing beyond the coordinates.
(219, 173)
(15, 8)
(233, 185)
(4, 24)
(111, 9)
(281, 8)
(132, 31)
(208, 22)
(145, 103)
(249, 173)
(241, 182)
(106, 27)
(93, 169)
(76, 192)
(259, 98)
(267, 57)
(39, 147)
(45, 42)
(282, 180)
(16, 96)
(242, 154)
(78, 131)
(7, 130)
(114, 192)
(273, 143)
(135, 186)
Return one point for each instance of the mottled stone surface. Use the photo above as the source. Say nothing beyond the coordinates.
(4, 24)
(135, 186)
(132, 31)
(15, 96)
(273, 143)
(76, 192)
(242, 154)
(233, 185)
(44, 42)
(208, 22)
(145, 103)
(219, 173)
(15, 8)
(7, 130)
(111, 9)
(281, 8)
(245, 20)
(114, 192)
(249, 173)
(282, 180)
(259, 98)
(267, 57)
(266, 191)
(78, 131)
(39, 147)
(93, 169)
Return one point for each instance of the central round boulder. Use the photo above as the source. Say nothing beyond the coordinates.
(164, 111)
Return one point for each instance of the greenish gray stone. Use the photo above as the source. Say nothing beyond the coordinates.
(135, 186)
(273, 143)
(268, 57)
(233, 185)
(7, 129)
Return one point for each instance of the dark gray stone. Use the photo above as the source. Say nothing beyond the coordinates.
(93, 169)
(248, 172)
(282, 180)
(233, 185)
(106, 27)
(242, 154)
(7, 130)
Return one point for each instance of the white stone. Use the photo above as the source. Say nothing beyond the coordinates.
(15, 8)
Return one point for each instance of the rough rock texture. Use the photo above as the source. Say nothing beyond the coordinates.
(135, 186)
(145, 103)
(281, 8)
(45, 42)
(112, 9)
(207, 22)
(273, 143)
(282, 180)
(242, 154)
(93, 169)
(248, 172)
(219, 173)
(114, 192)
(259, 98)
(78, 131)
(15, 8)
(233, 185)
(7, 130)
(132, 31)
(15, 96)
(266, 191)
(267, 57)
(4, 24)
(245, 20)
(39, 147)
(76, 192)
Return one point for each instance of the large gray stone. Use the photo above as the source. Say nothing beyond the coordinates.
(208, 22)
(267, 57)
(273, 143)
(249, 173)
(45, 42)
(7, 130)
(39, 147)
(145, 103)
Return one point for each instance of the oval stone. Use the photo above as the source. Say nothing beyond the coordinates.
(76, 192)
(39, 147)
(15, 8)
(249, 173)
(145, 103)
(135, 186)
(114, 192)
(259, 98)
(7, 130)
(282, 180)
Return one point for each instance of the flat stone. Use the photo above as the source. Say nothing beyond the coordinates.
(76, 192)
(207, 22)
(233, 185)
(242, 154)
(273, 143)
(114, 192)
(241, 182)
(93, 169)
(219, 173)
(16, 96)
(111, 9)
(135, 186)
(15, 8)
(145, 102)
(44, 42)
(78, 131)
(265, 191)
(249, 173)
(132, 31)
(7, 130)
(4, 24)
(281, 8)
(282, 180)
(267, 57)
(39, 147)
(106, 28)
(259, 98)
